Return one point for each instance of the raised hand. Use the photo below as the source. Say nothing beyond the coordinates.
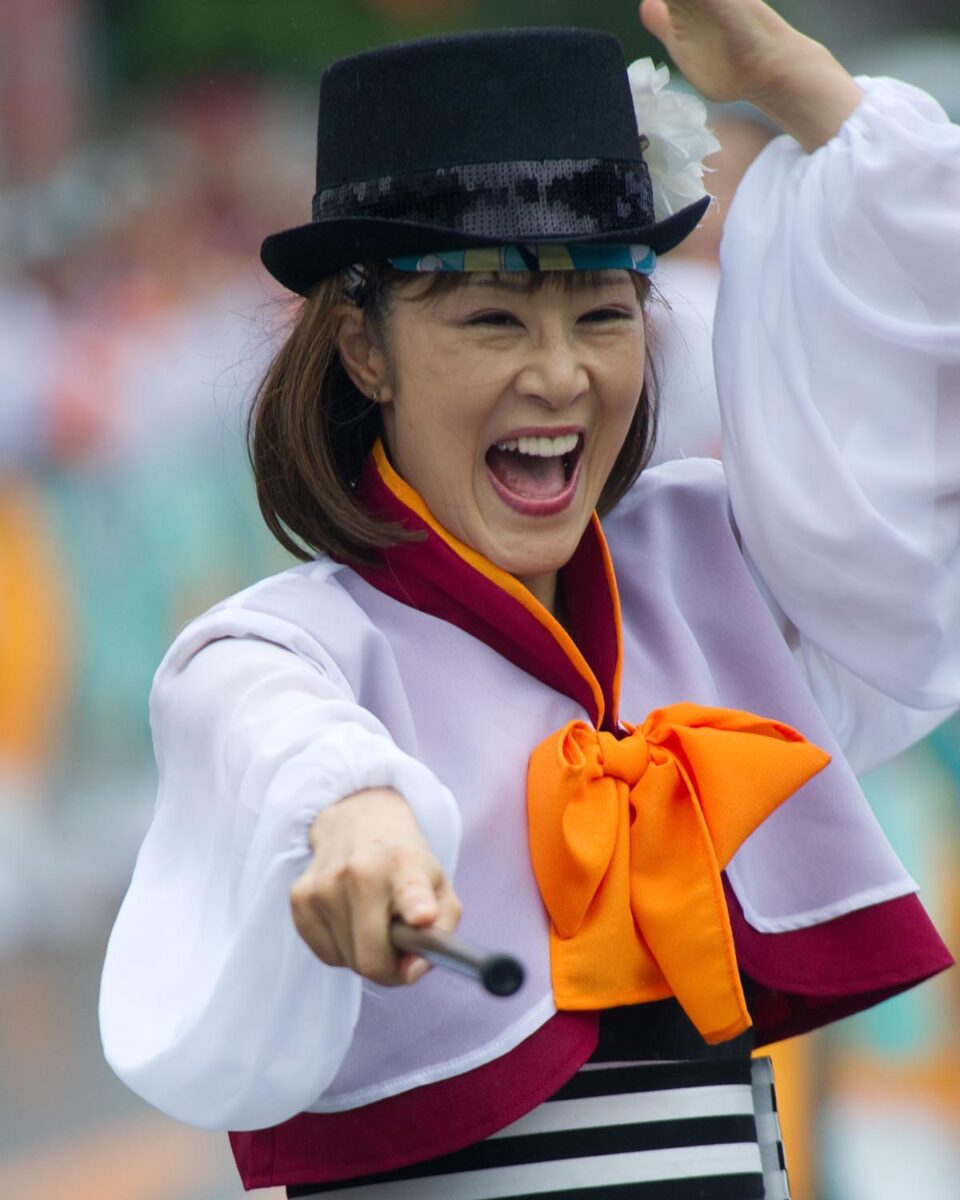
(724, 48)
(743, 50)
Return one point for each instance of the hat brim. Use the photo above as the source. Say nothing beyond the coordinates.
(299, 258)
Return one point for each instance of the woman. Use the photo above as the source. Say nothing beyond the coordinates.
(424, 719)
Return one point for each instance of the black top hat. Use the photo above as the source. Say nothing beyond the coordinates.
(477, 139)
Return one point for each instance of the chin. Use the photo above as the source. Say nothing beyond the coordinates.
(521, 564)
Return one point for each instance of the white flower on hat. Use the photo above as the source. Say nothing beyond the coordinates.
(675, 126)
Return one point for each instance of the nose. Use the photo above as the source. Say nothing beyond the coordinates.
(554, 372)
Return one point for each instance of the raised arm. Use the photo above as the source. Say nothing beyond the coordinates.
(837, 347)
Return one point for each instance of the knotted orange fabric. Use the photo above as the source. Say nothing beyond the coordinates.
(628, 838)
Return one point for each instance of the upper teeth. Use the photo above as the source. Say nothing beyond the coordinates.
(544, 447)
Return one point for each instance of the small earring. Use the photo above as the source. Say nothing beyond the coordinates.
(375, 395)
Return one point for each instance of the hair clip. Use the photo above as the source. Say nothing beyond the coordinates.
(355, 286)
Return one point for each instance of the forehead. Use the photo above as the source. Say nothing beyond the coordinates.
(440, 285)
(529, 282)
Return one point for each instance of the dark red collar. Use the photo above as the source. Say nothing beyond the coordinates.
(446, 578)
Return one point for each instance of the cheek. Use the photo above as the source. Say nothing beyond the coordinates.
(623, 388)
(445, 399)
(434, 428)
(621, 397)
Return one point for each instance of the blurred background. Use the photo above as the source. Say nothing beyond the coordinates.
(145, 149)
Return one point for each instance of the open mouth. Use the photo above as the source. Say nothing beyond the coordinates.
(536, 474)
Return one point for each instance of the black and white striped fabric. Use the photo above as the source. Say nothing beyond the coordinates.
(769, 1137)
(617, 1131)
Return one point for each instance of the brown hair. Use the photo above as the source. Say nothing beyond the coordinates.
(310, 429)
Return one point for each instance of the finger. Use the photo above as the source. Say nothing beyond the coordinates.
(449, 908)
(413, 967)
(407, 893)
(655, 17)
(414, 901)
(315, 930)
(373, 954)
(415, 896)
(411, 905)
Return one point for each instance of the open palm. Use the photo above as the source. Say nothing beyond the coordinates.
(727, 49)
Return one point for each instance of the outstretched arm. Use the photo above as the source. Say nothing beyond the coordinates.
(743, 50)
(214, 1006)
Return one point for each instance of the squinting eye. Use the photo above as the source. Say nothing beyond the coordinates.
(494, 318)
(605, 314)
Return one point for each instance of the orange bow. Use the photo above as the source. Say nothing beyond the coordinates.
(628, 839)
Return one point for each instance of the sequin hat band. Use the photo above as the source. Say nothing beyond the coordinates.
(533, 199)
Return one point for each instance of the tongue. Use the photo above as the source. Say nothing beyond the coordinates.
(536, 477)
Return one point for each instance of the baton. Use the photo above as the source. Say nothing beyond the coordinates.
(501, 974)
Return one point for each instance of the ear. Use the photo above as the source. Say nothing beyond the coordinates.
(363, 360)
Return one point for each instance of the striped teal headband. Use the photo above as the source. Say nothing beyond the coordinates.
(527, 256)
(542, 256)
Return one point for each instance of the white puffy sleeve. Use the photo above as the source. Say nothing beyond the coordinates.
(212, 1008)
(837, 349)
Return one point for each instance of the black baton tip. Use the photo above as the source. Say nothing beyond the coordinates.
(501, 974)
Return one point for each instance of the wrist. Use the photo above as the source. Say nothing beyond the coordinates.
(375, 806)
(805, 91)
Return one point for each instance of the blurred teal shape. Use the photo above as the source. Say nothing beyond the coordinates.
(147, 545)
(915, 798)
(946, 742)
